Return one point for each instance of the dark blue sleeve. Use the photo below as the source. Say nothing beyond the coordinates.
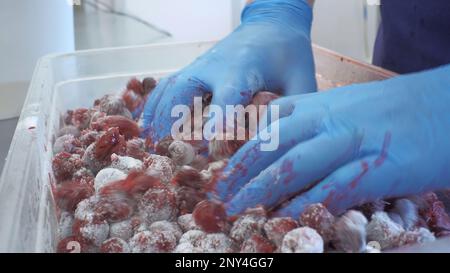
(414, 35)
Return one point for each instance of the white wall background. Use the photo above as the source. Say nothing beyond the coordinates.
(192, 20)
(348, 27)
(29, 29)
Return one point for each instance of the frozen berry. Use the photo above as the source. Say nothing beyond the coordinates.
(134, 185)
(126, 164)
(81, 118)
(66, 143)
(302, 240)
(112, 105)
(182, 153)
(85, 176)
(350, 232)
(216, 243)
(186, 222)
(136, 86)
(134, 102)
(186, 248)
(187, 198)
(159, 166)
(68, 194)
(383, 230)
(257, 244)
(114, 245)
(93, 231)
(98, 154)
(88, 137)
(276, 228)
(127, 127)
(136, 148)
(162, 147)
(153, 242)
(318, 217)
(435, 215)
(247, 225)
(122, 230)
(171, 227)
(65, 165)
(210, 216)
(190, 177)
(149, 84)
(158, 204)
(66, 117)
(418, 236)
(106, 176)
(192, 237)
(114, 207)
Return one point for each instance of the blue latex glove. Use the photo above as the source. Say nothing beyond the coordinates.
(349, 146)
(270, 50)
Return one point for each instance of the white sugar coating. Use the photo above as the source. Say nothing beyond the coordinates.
(122, 230)
(182, 153)
(383, 230)
(247, 225)
(125, 163)
(157, 205)
(116, 245)
(167, 226)
(350, 232)
(160, 166)
(213, 167)
(106, 176)
(192, 237)
(65, 225)
(216, 243)
(302, 240)
(420, 235)
(186, 248)
(95, 232)
(186, 222)
(64, 143)
(85, 209)
(153, 242)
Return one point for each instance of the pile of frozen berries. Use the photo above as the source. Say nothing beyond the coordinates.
(113, 195)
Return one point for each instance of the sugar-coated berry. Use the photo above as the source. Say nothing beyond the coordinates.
(158, 204)
(257, 244)
(318, 217)
(276, 228)
(302, 240)
(247, 225)
(115, 245)
(153, 242)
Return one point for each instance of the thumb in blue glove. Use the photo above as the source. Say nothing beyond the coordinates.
(270, 50)
(348, 146)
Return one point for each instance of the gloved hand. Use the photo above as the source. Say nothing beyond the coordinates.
(270, 50)
(348, 146)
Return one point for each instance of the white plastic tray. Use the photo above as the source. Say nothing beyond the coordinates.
(67, 81)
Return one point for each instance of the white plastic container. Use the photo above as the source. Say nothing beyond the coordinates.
(61, 82)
